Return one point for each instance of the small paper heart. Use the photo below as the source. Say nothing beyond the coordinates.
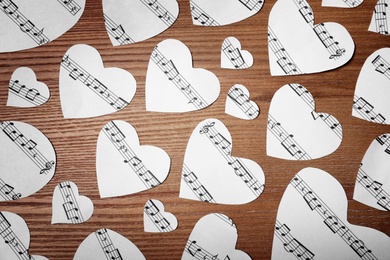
(232, 57)
(156, 219)
(239, 105)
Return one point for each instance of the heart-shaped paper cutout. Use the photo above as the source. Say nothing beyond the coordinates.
(106, 244)
(214, 237)
(232, 57)
(123, 166)
(88, 89)
(134, 21)
(156, 219)
(298, 46)
(342, 3)
(24, 89)
(15, 238)
(27, 160)
(27, 24)
(173, 85)
(372, 85)
(295, 130)
(312, 223)
(380, 23)
(68, 206)
(223, 12)
(239, 105)
(211, 174)
(372, 185)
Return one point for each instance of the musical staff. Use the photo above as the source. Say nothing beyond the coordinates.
(382, 66)
(70, 205)
(7, 191)
(352, 3)
(153, 212)
(201, 16)
(110, 251)
(30, 95)
(116, 31)
(252, 5)
(331, 45)
(199, 252)
(305, 10)
(159, 10)
(196, 186)
(71, 5)
(243, 103)
(380, 14)
(225, 218)
(234, 55)
(366, 110)
(384, 140)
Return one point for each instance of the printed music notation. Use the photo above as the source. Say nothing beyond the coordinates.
(384, 140)
(226, 219)
(28, 146)
(291, 244)
(380, 15)
(117, 138)
(70, 205)
(242, 102)
(25, 25)
(252, 5)
(160, 11)
(353, 3)
(116, 31)
(76, 72)
(366, 110)
(153, 212)
(106, 244)
(7, 191)
(234, 55)
(71, 5)
(201, 16)
(333, 222)
(200, 253)
(382, 66)
(32, 95)
(194, 184)
(174, 76)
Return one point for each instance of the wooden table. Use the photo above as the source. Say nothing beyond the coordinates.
(75, 139)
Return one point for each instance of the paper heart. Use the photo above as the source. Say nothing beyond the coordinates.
(239, 105)
(298, 46)
(211, 174)
(312, 223)
(24, 89)
(295, 130)
(232, 57)
(213, 237)
(342, 3)
(148, 18)
(173, 85)
(223, 12)
(372, 185)
(29, 24)
(27, 160)
(68, 206)
(88, 89)
(372, 86)
(156, 219)
(16, 238)
(379, 21)
(106, 244)
(123, 166)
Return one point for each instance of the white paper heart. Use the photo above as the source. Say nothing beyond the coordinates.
(137, 20)
(25, 91)
(239, 105)
(27, 24)
(312, 223)
(232, 57)
(106, 244)
(223, 12)
(123, 166)
(342, 3)
(298, 46)
(27, 160)
(68, 206)
(214, 237)
(380, 23)
(15, 238)
(372, 88)
(88, 89)
(372, 185)
(156, 219)
(173, 85)
(295, 130)
(211, 174)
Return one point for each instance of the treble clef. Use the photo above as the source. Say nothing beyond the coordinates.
(339, 52)
(48, 166)
(205, 128)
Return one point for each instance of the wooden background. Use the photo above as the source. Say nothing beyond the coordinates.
(75, 139)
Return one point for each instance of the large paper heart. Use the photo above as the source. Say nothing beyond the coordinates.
(156, 219)
(342, 3)
(380, 23)
(68, 206)
(298, 46)
(372, 185)
(214, 237)
(123, 166)
(211, 174)
(15, 238)
(173, 85)
(25, 91)
(372, 88)
(26, 24)
(295, 130)
(239, 105)
(27, 160)
(312, 223)
(130, 21)
(232, 57)
(223, 12)
(106, 244)
(88, 89)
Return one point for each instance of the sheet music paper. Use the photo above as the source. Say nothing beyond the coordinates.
(239, 105)
(87, 89)
(312, 223)
(211, 174)
(156, 219)
(125, 167)
(298, 46)
(372, 88)
(30, 24)
(295, 131)
(233, 57)
(130, 21)
(342, 3)
(380, 21)
(173, 85)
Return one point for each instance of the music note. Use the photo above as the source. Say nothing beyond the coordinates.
(10, 8)
(312, 200)
(27, 26)
(119, 103)
(202, 18)
(191, 251)
(15, 86)
(32, 94)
